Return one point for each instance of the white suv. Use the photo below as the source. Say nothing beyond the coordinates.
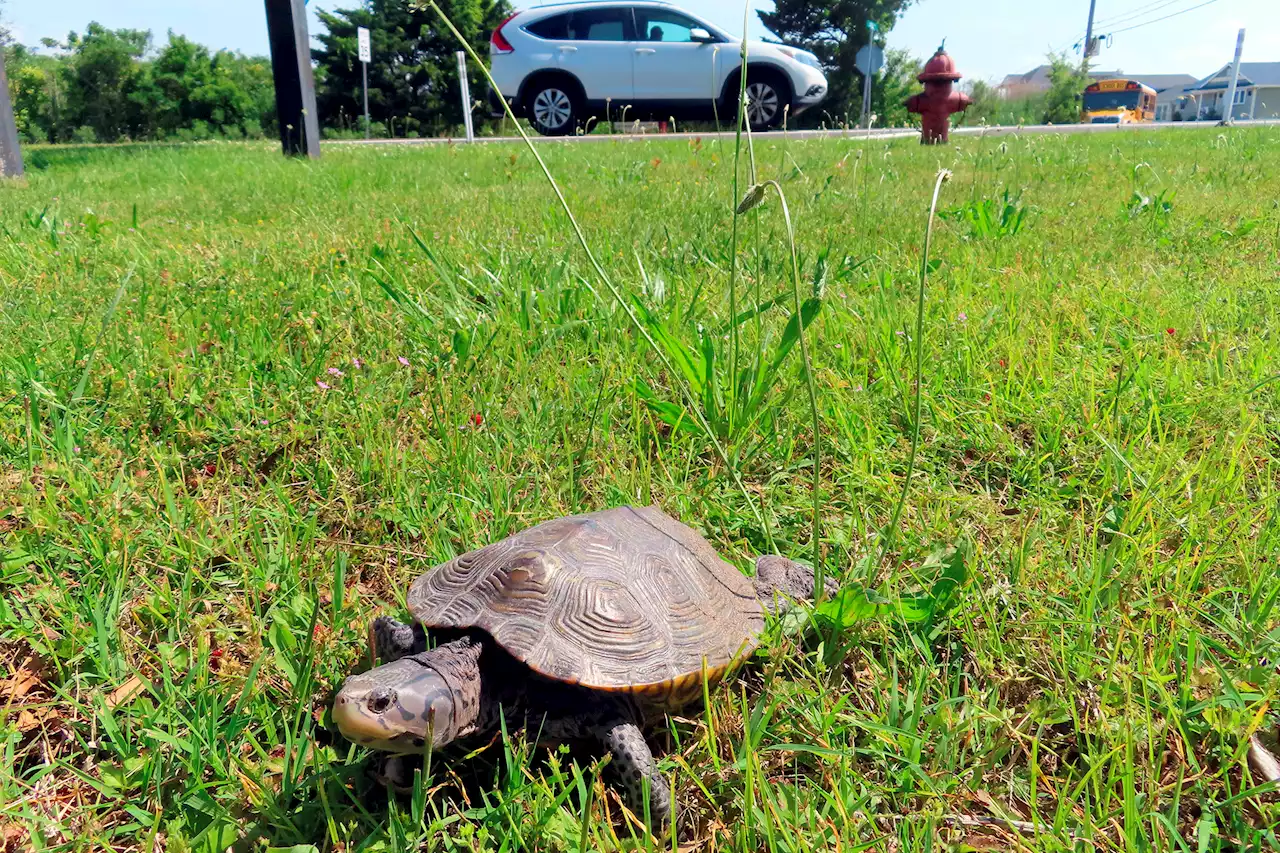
(564, 64)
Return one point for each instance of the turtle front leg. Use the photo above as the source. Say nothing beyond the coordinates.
(779, 581)
(635, 769)
(390, 639)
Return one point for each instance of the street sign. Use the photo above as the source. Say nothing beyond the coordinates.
(362, 46)
(362, 41)
(870, 59)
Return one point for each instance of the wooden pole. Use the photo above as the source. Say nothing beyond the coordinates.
(10, 153)
(295, 83)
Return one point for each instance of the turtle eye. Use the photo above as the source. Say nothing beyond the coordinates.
(380, 700)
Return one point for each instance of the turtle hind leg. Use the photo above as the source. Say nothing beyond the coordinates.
(778, 576)
(391, 639)
(635, 770)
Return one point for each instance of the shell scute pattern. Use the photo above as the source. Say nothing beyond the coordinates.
(625, 599)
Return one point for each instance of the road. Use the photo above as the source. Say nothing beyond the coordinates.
(876, 133)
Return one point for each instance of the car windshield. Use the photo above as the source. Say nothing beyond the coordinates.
(1120, 99)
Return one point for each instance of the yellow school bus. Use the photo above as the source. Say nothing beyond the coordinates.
(1118, 102)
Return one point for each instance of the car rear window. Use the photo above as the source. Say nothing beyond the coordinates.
(555, 27)
(600, 25)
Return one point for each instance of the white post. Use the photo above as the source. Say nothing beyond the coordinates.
(466, 94)
(364, 81)
(866, 99)
(366, 54)
(1253, 102)
(1235, 75)
(10, 154)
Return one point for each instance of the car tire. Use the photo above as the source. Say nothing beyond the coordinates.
(767, 101)
(553, 108)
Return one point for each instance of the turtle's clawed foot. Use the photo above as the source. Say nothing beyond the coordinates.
(396, 772)
(779, 576)
(391, 640)
(635, 770)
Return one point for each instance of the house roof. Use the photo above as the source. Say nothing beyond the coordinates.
(1160, 82)
(1040, 74)
(1251, 74)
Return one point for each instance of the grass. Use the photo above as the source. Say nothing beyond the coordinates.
(1067, 645)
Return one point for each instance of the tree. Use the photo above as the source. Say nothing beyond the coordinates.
(1066, 89)
(986, 103)
(188, 88)
(834, 32)
(413, 78)
(31, 79)
(102, 74)
(893, 85)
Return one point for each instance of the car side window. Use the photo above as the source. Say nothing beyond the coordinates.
(554, 28)
(664, 25)
(609, 24)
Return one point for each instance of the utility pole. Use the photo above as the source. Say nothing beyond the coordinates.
(10, 153)
(295, 83)
(1088, 35)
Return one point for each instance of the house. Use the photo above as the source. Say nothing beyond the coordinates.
(1257, 94)
(1036, 81)
(1017, 86)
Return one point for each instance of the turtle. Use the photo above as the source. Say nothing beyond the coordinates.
(585, 627)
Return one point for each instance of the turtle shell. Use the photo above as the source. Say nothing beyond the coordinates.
(627, 599)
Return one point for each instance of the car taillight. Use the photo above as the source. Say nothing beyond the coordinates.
(498, 41)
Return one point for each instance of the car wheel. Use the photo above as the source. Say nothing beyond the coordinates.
(552, 110)
(766, 103)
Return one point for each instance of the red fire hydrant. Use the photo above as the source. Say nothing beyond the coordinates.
(937, 102)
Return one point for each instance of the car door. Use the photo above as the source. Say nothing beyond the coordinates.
(596, 50)
(668, 63)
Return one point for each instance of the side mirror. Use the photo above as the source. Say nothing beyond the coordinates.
(700, 35)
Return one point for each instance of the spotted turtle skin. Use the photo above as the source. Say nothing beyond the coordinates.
(626, 600)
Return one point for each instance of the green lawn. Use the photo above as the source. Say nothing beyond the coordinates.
(244, 401)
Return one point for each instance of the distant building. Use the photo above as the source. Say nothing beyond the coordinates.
(1017, 86)
(1034, 82)
(1257, 95)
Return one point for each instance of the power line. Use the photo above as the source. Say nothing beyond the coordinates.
(1140, 10)
(1136, 13)
(1164, 17)
(1158, 6)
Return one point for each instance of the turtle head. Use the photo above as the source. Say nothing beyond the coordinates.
(420, 701)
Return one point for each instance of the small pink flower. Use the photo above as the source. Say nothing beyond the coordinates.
(962, 317)
(333, 371)
(322, 385)
(403, 361)
(357, 363)
(263, 421)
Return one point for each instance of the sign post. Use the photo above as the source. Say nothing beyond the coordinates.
(366, 55)
(294, 81)
(1229, 107)
(10, 154)
(465, 87)
(870, 59)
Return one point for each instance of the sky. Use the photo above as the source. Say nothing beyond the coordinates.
(988, 39)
